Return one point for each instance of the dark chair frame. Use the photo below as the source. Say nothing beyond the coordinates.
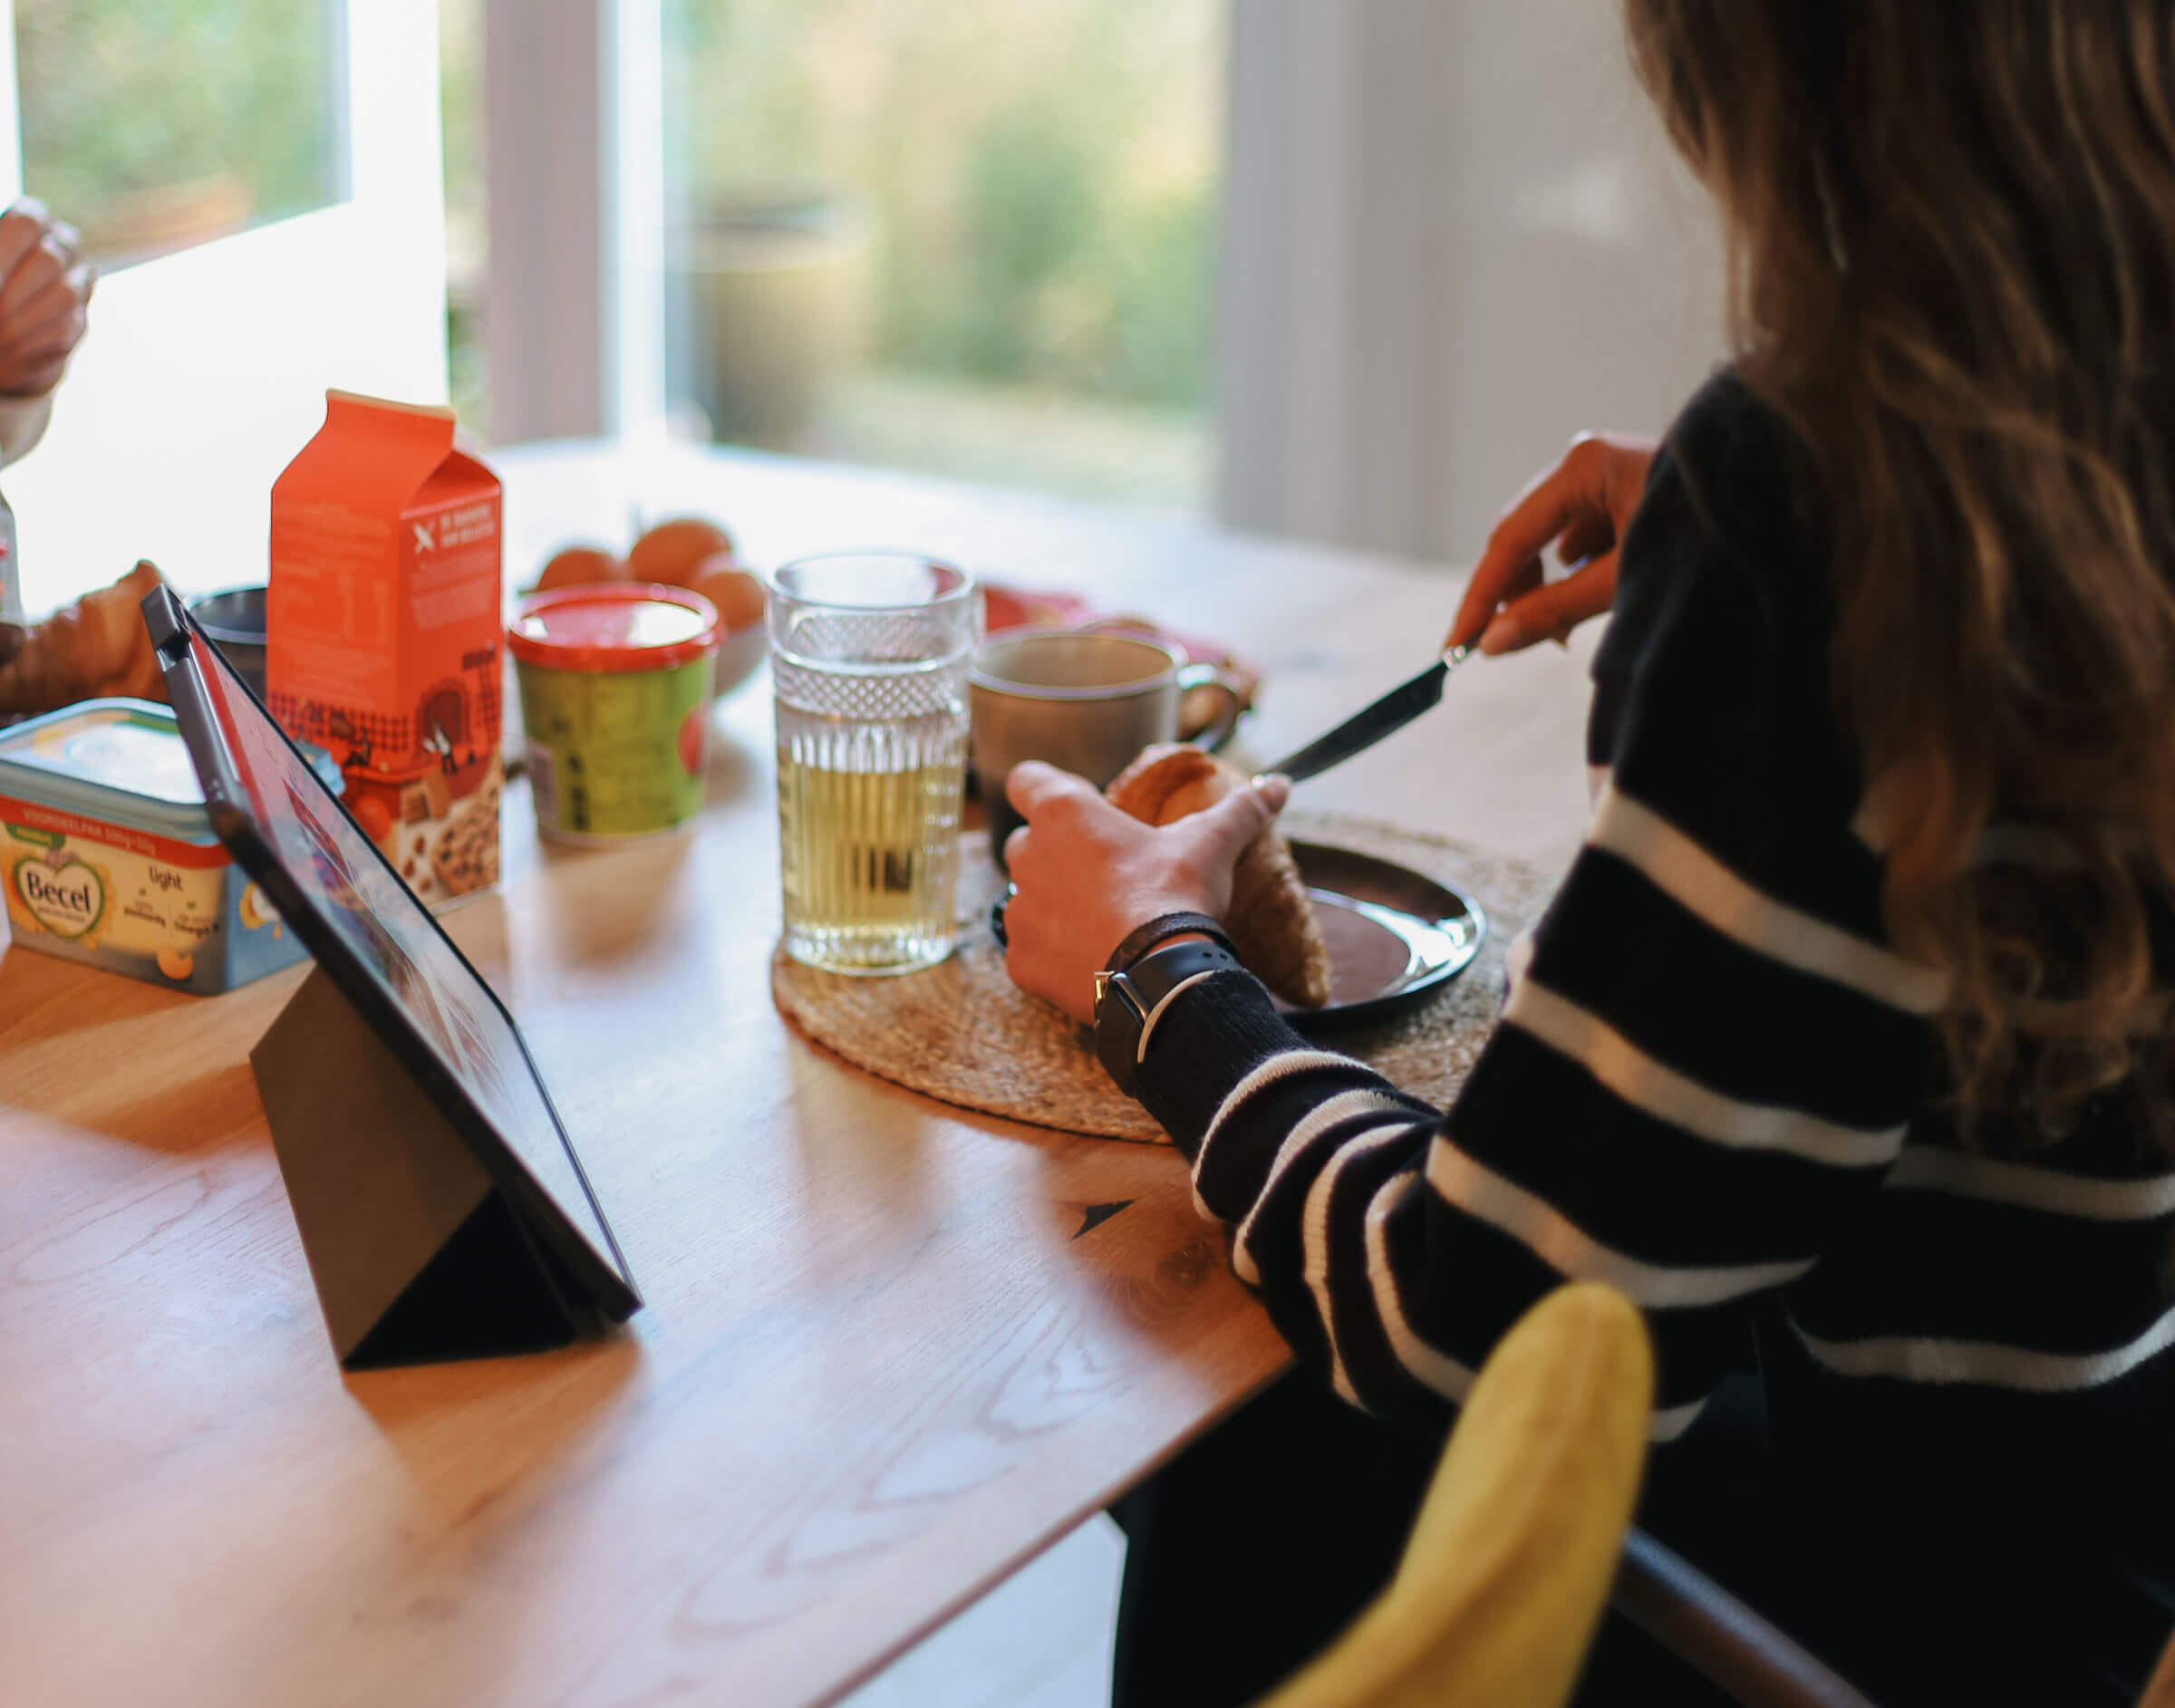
(1712, 1631)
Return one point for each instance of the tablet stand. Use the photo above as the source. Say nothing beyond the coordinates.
(417, 1256)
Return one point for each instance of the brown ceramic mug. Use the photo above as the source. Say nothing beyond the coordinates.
(1084, 699)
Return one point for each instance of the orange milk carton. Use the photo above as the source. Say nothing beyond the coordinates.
(383, 629)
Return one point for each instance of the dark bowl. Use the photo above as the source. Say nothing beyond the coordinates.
(233, 621)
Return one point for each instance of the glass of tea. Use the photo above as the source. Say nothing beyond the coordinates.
(869, 652)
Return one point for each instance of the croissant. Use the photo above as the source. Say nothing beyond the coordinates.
(1272, 920)
(95, 647)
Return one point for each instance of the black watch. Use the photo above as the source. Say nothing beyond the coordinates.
(1125, 999)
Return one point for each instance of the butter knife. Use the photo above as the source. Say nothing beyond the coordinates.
(1363, 729)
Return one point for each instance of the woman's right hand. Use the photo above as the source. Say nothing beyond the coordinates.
(1583, 505)
(1084, 875)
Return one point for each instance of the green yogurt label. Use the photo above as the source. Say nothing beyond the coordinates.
(616, 753)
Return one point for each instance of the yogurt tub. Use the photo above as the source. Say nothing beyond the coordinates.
(614, 682)
(108, 857)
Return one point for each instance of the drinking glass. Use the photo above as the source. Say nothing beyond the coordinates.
(869, 654)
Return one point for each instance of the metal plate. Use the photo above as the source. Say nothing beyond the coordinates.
(1394, 934)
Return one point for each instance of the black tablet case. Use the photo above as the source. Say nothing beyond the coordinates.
(418, 1255)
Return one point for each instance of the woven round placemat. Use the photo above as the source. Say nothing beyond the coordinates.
(964, 1033)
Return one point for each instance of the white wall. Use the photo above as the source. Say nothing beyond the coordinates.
(1454, 236)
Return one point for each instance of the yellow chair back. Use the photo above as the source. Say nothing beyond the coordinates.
(1510, 1562)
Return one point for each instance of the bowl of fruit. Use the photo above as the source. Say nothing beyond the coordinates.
(690, 552)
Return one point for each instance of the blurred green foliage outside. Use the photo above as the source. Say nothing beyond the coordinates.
(150, 123)
(1040, 175)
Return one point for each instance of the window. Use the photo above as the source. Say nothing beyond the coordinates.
(260, 179)
(155, 124)
(982, 240)
(974, 239)
(460, 38)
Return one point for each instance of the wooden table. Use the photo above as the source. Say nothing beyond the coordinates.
(881, 1363)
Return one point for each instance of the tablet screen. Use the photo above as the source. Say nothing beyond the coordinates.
(345, 880)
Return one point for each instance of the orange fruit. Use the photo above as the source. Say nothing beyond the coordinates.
(737, 595)
(578, 566)
(673, 550)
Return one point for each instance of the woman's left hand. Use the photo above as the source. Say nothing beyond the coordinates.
(1087, 875)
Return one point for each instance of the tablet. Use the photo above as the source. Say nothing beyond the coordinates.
(384, 950)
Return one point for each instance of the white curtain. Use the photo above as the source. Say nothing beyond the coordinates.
(1454, 235)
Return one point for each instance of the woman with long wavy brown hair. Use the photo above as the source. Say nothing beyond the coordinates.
(1848, 1033)
(1952, 235)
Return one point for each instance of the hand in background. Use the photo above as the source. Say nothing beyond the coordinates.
(1583, 505)
(44, 297)
(1088, 874)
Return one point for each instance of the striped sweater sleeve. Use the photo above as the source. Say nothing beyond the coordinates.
(1707, 1056)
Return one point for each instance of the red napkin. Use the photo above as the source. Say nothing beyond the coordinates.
(1018, 607)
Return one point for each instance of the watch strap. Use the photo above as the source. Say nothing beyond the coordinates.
(1142, 939)
(1127, 998)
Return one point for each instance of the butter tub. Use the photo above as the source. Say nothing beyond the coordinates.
(108, 855)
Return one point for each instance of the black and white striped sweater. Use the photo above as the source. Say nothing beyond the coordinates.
(1710, 1084)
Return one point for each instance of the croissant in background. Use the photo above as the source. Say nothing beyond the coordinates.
(95, 647)
(1272, 920)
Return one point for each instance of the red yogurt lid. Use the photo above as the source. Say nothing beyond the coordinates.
(614, 626)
